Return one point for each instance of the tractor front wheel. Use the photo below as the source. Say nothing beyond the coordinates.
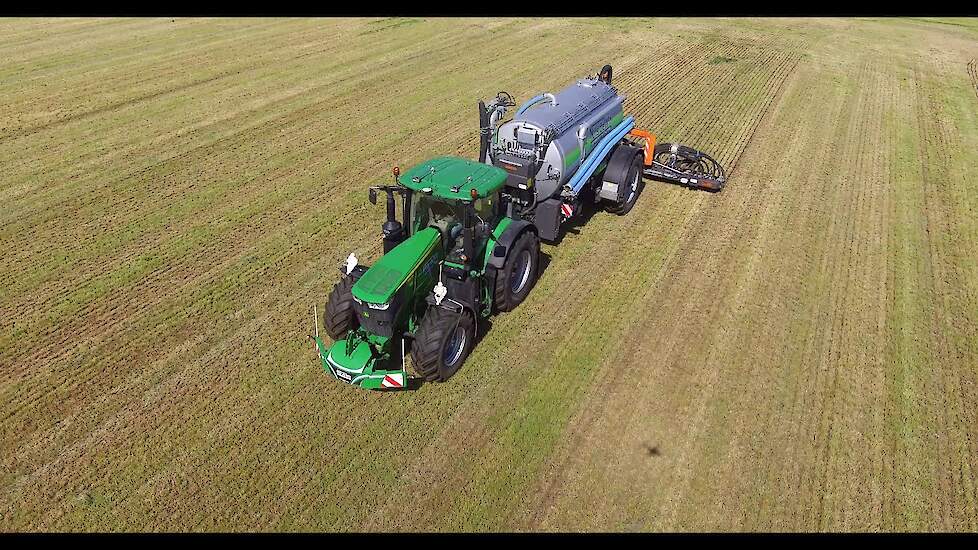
(339, 316)
(442, 343)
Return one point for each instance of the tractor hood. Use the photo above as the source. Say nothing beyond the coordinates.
(385, 277)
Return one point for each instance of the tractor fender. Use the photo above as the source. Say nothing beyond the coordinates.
(452, 304)
(506, 239)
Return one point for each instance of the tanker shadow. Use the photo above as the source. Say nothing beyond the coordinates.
(680, 184)
(573, 225)
(543, 265)
(588, 208)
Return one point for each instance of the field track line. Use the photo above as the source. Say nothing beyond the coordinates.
(592, 410)
(119, 105)
(789, 68)
(808, 201)
(973, 73)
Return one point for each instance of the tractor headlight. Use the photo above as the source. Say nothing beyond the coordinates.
(378, 306)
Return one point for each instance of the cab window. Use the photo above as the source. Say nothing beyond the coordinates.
(486, 208)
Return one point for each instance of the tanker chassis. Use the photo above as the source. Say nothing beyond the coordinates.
(467, 243)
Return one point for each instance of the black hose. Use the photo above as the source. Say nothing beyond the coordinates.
(483, 132)
(688, 160)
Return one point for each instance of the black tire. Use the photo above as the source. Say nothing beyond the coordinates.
(519, 273)
(635, 181)
(339, 316)
(442, 343)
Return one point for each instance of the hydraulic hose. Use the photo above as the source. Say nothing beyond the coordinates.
(523, 108)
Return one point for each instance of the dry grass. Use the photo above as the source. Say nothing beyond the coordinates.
(797, 352)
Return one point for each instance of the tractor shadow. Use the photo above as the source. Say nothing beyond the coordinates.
(485, 326)
(541, 269)
(414, 383)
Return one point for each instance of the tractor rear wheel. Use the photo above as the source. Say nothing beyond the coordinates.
(442, 343)
(339, 316)
(634, 185)
(519, 273)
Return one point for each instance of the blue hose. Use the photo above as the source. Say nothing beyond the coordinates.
(591, 163)
(529, 104)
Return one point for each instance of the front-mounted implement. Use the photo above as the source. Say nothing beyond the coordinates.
(352, 360)
(467, 244)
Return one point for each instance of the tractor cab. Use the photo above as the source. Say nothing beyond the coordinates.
(457, 196)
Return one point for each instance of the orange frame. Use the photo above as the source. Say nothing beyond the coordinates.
(649, 139)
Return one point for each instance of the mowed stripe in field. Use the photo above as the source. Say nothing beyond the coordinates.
(939, 292)
(172, 345)
(770, 403)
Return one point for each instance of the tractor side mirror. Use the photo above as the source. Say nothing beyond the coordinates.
(372, 195)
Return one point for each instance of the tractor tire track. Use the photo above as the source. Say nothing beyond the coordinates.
(973, 73)
(606, 394)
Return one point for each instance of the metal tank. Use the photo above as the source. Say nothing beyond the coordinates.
(545, 142)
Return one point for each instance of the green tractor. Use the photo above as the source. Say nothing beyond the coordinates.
(453, 259)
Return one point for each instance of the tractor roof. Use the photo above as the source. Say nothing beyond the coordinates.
(442, 174)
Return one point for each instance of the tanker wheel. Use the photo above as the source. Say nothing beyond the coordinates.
(519, 273)
(635, 185)
(442, 343)
(339, 316)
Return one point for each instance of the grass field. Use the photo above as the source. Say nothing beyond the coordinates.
(798, 352)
